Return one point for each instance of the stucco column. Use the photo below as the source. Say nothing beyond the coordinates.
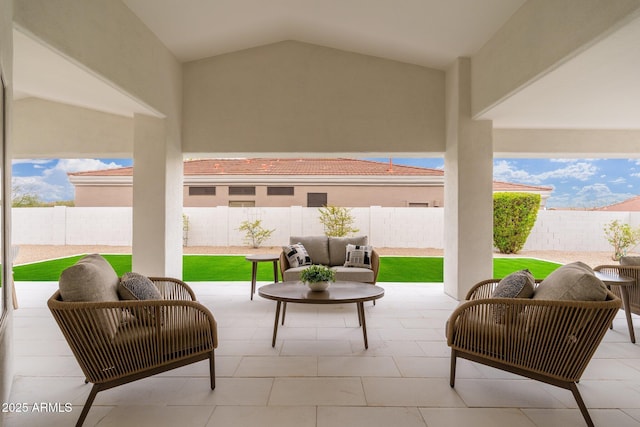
(157, 199)
(468, 165)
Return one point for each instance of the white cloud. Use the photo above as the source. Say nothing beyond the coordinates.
(582, 171)
(591, 196)
(38, 185)
(80, 165)
(620, 180)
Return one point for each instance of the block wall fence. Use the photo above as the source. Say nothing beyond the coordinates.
(386, 227)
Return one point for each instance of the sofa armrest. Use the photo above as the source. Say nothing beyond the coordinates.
(284, 264)
(375, 265)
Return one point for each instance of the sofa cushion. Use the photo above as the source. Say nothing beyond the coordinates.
(338, 248)
(296, 255)
(353, 274)
(317, 247)
(575, 281)
(293, 274)
(630, 260)
(358, 256)
(92, 279)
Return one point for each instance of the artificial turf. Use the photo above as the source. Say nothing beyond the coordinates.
(198, 268)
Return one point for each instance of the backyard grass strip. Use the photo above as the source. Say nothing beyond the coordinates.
(199, 268)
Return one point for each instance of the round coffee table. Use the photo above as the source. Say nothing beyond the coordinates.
(338, 293)
(612, 279)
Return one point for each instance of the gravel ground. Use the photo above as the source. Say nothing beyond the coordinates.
(33, 253)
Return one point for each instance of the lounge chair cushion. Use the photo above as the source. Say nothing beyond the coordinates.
(575, 281)
(92, 279)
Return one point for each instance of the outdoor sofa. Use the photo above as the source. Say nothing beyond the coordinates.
(350, 257)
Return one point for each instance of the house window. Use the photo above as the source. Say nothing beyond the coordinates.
(242, 191)
(279, 191)
(316, 200)
(242, 203)
(202, 191)
(418, 204)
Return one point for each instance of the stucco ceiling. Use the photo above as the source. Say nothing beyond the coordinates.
(598, 88)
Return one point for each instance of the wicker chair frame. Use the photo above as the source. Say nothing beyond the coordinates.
(180, 332)
(548, 341)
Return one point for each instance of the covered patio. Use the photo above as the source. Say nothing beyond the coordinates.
(319, 373)
(543, 78)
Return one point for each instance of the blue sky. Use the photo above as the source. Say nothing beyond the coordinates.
(582, 183)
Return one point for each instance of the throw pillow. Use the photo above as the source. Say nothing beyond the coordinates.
(519, 284)
(358, 256)
(574, 281)
(134, 286)
(316, 246)
(296, 255)
(338, 248)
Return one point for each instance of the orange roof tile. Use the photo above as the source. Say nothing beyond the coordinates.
(266, 166)
(629, 205)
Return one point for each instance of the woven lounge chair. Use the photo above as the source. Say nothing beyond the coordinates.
(152, 336)
(546, 340)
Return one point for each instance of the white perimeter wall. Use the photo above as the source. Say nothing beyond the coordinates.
(386, 227)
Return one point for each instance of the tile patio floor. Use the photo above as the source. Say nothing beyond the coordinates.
(319, 373)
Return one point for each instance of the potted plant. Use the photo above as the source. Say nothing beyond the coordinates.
(317, 277)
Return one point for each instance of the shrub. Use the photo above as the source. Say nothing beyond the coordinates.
(514, 215)
(255, 234)
(337, 221)
(622, 237)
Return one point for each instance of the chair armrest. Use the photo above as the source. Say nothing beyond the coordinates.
(173, 289)
(484, 289)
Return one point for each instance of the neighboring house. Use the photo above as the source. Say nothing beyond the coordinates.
(309, 182)
(629, 205)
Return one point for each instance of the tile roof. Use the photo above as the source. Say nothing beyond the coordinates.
(267, 166)
(629, 205)
(308, 167)
(510, 186)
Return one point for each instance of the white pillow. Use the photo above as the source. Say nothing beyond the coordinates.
(358, 256)
(296, 255)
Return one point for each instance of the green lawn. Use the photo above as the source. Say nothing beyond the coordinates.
(199, 268)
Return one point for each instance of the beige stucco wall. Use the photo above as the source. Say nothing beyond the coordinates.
(540, 36)
(347, 196)
(293, 97)
(568, 142)
(103, 196)
(55, 130)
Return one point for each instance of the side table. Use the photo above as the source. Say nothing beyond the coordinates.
(624, 282)
(255, 259)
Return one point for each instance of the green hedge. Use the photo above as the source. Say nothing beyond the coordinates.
(514, 215)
